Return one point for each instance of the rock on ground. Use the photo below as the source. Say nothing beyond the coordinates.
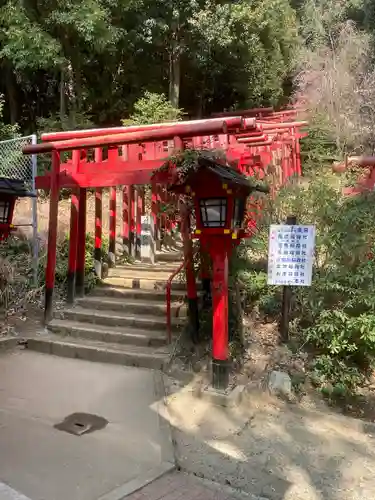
(280, 383)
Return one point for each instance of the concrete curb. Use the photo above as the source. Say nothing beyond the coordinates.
(139, 482)
(167, 450)
(232, 493)
(10, 343)
(8, 493)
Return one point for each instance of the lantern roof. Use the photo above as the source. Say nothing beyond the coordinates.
(220, 168)
(14, 187)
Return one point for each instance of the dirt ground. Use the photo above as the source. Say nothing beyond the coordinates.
(273, 449)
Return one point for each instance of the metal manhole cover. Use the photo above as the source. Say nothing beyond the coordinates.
(81, 423)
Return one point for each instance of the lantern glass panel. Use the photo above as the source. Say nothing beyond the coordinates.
(238, 213)
(4, 211)
(213, 212)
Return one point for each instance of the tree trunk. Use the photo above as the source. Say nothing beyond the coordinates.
(11, 94)
(72, 101)
(175, 66)
(62, 95)
(76, 82)
(78, 88)
(176, 79)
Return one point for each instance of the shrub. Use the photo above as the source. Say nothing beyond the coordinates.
(153, 108)
(62, 262)
(336, 315)
(16, 273)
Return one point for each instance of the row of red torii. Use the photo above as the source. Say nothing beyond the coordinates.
(128, 156)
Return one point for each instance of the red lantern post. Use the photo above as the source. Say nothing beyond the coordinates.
(219, 193)
(10, 190)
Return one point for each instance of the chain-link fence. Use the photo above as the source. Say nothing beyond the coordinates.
(15, 165)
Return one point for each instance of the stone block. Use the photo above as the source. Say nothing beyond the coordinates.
(280, 383)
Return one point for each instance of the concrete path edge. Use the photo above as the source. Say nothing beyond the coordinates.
(139, 482)
(233, 493)
(167, 450)
(8, 493)
(10, 342)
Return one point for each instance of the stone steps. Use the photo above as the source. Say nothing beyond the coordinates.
(142, 294)
(141, 274)
(169, 256)
(115, 318)
(160, 267)
(102, 352)
(133, 306)
(144, 283)
(109, 334)
(123, 320)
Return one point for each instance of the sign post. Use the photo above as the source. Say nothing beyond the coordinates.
(290, 262)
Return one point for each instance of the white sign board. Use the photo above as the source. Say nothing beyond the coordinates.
(291, 255)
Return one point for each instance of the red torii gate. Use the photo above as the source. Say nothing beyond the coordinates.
(129, 155)
(366, 181)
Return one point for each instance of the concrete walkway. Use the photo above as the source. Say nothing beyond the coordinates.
(40, 462)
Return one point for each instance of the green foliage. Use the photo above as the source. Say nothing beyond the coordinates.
(56, 123)
(62, 263)
(334, 376)
(318, 149)
(100, 56)
(258, 294)
(16, 271)
(253, 45)
(6, 131)
(336, 315)
(153, 108)
(24, 42)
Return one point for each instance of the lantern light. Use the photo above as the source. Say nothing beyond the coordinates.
(5, 211)
(213, 211)
(10, 190)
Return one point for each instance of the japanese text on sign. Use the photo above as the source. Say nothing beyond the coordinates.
(291, 255)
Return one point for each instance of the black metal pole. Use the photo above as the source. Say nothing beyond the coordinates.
(220, 373)
(287, 298)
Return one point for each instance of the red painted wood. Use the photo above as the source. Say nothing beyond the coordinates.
(132, 215)
(73, 246)
(52, 236)
(81, 253)
(282, 125)
(138, 221)
(220, 301)
(98, 156)
(76, 134)
(98, 180)
(187, 130)
(98, 228)
(298, 156)
(125, 217)
(112, 226)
